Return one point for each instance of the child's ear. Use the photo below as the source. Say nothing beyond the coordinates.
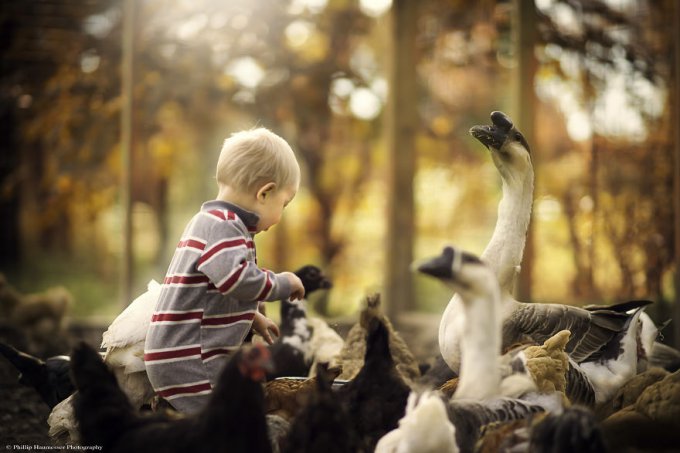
(265, 191)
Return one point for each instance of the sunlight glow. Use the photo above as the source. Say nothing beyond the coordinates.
(89, 61)
(342, 87)
(298, 32)
(364, 104)
(578, 126)
(375, 8)
(548, 208)
(313, 6)
(247, 72)
(191, 27)
(100, 25)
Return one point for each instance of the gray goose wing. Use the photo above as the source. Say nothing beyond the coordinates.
(591, 331)
(469, 417)
(579, 389)
(621, 307)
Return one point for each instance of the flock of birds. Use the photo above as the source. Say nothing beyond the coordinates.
(512, 376)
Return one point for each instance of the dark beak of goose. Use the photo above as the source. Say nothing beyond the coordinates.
(493, 136)
(439, 266)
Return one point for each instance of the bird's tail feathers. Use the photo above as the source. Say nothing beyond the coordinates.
(101, 407)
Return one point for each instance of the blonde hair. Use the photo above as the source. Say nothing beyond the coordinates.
(249, 159)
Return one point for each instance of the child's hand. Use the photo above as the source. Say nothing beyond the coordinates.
(297, 291)
(263, 326)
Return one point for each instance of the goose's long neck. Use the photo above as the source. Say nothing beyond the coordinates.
(480, 373)
(504, 251)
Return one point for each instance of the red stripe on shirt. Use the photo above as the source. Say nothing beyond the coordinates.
(224, 320)
(176, 316)
(192, 243)
(214, 352)
(189, 389)
(217, 213)
(185, 279)
(231, 281)
(231, 215)
(220, 246)
(174, 354)
(266, 289)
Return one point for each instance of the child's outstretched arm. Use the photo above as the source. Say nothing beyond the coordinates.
(224, 260)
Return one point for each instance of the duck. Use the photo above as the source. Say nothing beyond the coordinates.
(597, 336)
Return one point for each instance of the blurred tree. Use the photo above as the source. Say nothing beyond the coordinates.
(402, 125)
(34, 37)
(525, 25)
(625, 203)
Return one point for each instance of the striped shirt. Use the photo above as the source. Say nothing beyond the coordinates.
(207, 304)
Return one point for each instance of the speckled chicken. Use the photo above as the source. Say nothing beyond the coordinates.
(352, 355)
(286, 397)
(292, 352)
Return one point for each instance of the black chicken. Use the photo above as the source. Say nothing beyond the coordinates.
(376, 397)
(232, 421)
(50, 378)
(324, 425)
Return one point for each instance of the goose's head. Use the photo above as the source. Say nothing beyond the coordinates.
(509, 149)
(463, 272)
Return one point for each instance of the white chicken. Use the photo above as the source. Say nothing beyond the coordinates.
(124, 343)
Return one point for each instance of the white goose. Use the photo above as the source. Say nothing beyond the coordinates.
(597, 336)
(478, 398)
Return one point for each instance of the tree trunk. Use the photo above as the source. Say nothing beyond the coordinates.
(127, 124)
(525, 42)
(10, 251)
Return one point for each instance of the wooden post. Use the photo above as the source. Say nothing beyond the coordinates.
(126, 112)
(524, 30)
(402, 121)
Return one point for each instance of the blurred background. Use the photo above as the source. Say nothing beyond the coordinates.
(112, 115)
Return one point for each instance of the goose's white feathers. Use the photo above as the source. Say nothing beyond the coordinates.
(424, 428)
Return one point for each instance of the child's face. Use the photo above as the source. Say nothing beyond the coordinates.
(270, 208)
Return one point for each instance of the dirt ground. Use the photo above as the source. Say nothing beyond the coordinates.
(23, 415)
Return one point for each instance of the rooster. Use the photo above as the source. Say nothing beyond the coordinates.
(232, 421)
